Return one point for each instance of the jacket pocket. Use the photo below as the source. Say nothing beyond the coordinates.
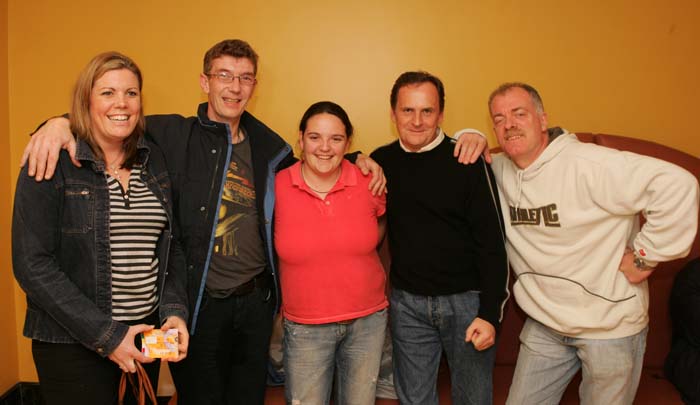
(78, 209)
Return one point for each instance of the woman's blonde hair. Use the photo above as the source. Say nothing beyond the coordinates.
(80, 123)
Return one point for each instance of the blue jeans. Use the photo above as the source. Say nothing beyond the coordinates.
(547, 362)
(421, 327)
(312, 352)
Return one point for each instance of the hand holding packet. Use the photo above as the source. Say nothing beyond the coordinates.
(159, 344)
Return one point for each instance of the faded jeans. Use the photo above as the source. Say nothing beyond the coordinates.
(421, 327)
(313, 352)
(547, 362)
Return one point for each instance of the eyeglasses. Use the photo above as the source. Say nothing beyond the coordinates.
(246, 79)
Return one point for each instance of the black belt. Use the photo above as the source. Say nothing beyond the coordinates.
(260, 281)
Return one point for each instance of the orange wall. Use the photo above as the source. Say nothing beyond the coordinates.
(614, 66)
(8, 341)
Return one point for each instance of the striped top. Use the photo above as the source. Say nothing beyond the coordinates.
(136, 221)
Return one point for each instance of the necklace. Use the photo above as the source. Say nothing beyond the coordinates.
(114, 168)
(313, 189)
(238, 138)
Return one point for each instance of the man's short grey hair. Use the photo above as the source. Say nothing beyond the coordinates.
(503, 89)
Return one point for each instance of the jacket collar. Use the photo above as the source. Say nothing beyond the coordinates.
(204, 118)
(262, 139)
(83, 152)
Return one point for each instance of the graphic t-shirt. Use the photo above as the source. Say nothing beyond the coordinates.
(238, 254)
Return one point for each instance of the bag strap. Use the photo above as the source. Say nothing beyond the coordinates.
(142, 386)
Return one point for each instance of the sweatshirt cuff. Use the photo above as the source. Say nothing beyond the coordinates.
(465, 130)
(643, 254)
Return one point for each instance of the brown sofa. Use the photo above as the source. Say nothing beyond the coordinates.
(653, 388)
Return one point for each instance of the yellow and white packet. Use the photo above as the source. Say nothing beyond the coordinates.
(158, 344)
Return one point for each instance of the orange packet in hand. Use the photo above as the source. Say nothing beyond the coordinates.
(159, 344)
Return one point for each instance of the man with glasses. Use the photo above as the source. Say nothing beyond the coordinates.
(222, 165)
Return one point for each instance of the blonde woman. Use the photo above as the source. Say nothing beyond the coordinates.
(90, 246)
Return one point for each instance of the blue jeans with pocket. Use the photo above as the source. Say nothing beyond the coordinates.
(421, 328)
(314, 353)
(547, 362)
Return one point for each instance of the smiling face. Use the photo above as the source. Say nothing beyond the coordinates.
(323, 144)
(417, 115)
(520, 128)
(115, 106)
(227, 101)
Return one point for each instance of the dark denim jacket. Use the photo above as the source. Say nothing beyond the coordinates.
(61, 251)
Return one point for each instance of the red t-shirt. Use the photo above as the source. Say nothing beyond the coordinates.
(329, 266)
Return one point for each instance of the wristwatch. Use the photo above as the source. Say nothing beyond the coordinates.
(641, 264)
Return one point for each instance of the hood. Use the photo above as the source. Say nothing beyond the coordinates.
(558, 140)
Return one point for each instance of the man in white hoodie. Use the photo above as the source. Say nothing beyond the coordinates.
(580, 258)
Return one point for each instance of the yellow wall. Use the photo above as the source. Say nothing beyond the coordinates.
(8, 341)
(614, 66)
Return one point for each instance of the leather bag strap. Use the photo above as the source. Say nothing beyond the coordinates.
(140, 384)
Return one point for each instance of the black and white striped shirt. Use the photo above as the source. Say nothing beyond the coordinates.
(136, 221)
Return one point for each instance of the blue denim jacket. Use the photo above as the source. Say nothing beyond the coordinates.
(61, 251)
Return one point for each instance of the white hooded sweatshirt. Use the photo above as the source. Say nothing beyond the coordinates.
(570, 215)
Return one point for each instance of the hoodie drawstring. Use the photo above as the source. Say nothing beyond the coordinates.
(520, 189)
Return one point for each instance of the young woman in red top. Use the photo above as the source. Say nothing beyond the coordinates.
(327, 228)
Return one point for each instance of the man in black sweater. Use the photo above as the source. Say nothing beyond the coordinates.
(449, 268)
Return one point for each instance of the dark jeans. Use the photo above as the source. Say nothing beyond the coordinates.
(71, 374)
(227, 356)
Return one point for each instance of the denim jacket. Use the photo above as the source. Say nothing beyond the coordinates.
(61, 251)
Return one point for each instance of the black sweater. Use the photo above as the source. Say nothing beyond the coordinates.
(445, 226)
